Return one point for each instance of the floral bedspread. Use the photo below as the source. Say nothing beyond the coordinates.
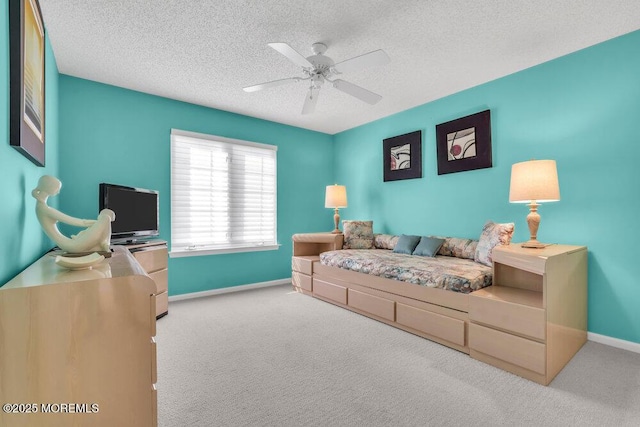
(442, 272)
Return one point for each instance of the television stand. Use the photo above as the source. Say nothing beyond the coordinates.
(153, 256)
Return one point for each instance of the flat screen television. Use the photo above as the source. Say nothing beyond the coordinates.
(136, 209)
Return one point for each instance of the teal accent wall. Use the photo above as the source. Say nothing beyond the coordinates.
(122, 137)
(581, 110)
(21, 238)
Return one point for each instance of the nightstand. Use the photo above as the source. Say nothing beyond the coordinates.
(306, 249)
(533, 319)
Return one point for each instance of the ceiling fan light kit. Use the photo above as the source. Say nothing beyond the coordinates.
(319, 68)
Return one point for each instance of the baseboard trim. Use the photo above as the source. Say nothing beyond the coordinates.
(614, 342)
(229, 289)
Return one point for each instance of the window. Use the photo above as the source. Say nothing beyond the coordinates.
(223, 195)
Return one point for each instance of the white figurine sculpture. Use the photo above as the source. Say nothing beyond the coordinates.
(97, 235)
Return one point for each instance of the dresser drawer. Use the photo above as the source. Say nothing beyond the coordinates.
(509, 316)
(162, 303)
(161, 278)
(434, 324)
(330, 291)
(301, 281)
(152, 259)
(510, 348)
(380, 307)
(303, 264)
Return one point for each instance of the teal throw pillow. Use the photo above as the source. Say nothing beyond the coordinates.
(428, 246)
(406, 244)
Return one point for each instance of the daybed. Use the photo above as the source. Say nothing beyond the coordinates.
(427, 296)
(519, 324)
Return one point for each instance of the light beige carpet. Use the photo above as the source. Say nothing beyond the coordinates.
(270, 357)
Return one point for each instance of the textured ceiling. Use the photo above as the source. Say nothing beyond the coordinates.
(204, 52)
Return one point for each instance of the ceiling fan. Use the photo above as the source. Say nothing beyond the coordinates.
(319, 68)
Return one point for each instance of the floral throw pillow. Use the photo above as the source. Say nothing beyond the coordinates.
(385, 241)
(459, 248)
(492, 235)
(357, 234)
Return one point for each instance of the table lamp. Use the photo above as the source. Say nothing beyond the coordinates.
(336, 197)
(533, 182)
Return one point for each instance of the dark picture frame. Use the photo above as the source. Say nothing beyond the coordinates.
(27, 79)
(464, 144)
(402, 156)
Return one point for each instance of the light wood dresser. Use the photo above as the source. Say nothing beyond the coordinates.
(534, 318)
(77, 348)
(153, 257)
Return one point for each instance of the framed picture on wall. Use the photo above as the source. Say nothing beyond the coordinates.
(26, 79)
(464, 144)
(402, 156)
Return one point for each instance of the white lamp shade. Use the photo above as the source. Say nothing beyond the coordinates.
(336, 196)
(535, 180)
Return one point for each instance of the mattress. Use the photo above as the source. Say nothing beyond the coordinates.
(441, 272)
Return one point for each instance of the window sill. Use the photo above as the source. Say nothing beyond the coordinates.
(200, 252)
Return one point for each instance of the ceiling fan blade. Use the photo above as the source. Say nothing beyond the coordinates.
(357, 91)
(371, 59)
(310, 101)
(292, 54)
(267, 85)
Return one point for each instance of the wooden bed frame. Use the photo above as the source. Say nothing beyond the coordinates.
(439, 315)
(530, 322)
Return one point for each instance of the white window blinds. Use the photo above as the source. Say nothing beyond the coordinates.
(223, 194)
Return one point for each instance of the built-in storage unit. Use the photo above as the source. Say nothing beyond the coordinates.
(534, 318)
(306, 248)
(396, 303)
(530, 322)
(153, 257)
(78, 347)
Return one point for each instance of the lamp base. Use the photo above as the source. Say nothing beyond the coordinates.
(533, 221)
(534, 244)
(336, 222)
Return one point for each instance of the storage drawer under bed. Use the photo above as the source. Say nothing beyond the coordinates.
(437, 325)
(330, 291)
(377, 306)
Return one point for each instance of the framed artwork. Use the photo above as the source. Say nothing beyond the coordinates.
(464, 144)
(26, 78)
(402, 156)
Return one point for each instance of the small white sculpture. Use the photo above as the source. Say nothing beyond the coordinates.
(97, 235)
